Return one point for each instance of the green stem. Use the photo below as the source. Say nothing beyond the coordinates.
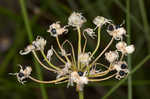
(79, 44)
(145, 21)
(98, 42)
(129, 61)
(27, 26)
(53, 66)
(81, 94)
(122, 81)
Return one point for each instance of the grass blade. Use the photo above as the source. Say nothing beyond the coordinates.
(129, 61)
(27, 25)
(145, 21)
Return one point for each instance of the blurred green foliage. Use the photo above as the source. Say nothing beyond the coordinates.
(41, 13)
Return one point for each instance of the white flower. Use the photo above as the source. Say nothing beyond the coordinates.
(111, 56)
(117, 33)
(27, 50)
(99, 21)
(84, 58)
(79, 80)
(39, 43)
(55, 29)
(50, 53)
(130, 49)
(81, 83)
(122, 47)
(23, 74)
(76, 19)
(90, 32)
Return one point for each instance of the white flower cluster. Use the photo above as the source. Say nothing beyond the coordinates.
(116, 31)
(111, 56)
(83, 67)
(121, 68)
(55, 29)
(38, 44)
(76, 19)
(23, 74)
(123, 48)
(99, 21)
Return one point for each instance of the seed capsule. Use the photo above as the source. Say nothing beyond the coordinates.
(53, 31)
(121, 73)
(123, 66)
(110, 28)
(20, 74)
(80, 73)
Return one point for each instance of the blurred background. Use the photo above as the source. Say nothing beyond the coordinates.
(41, 13)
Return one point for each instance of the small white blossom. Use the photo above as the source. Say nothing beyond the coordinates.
(130, 49)
(79, 80)
(84, 58)
(122, 47)
(117, 33)
(50, 53)
(23, 74)
(55, 29)
(99, 21)
(111, 56)
(76, 19)
(39, 43)
(27, 50)
(90, 32)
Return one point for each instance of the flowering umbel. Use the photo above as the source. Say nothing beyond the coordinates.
(85, 67)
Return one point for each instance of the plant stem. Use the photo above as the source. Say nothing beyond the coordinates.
(129, 61)
(49, 63)
(79, 44)
(81, 94)
(145, 22)
(98, 42)
(27, 26)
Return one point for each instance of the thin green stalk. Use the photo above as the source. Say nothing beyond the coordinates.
(26, 21)
(129, 61)
(79, 45)
(50, 64)
(81, 94)
(98, 42)
(122, 81)
(27, 25)
(145, 21)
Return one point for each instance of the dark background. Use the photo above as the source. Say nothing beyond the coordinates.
(13, 37)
